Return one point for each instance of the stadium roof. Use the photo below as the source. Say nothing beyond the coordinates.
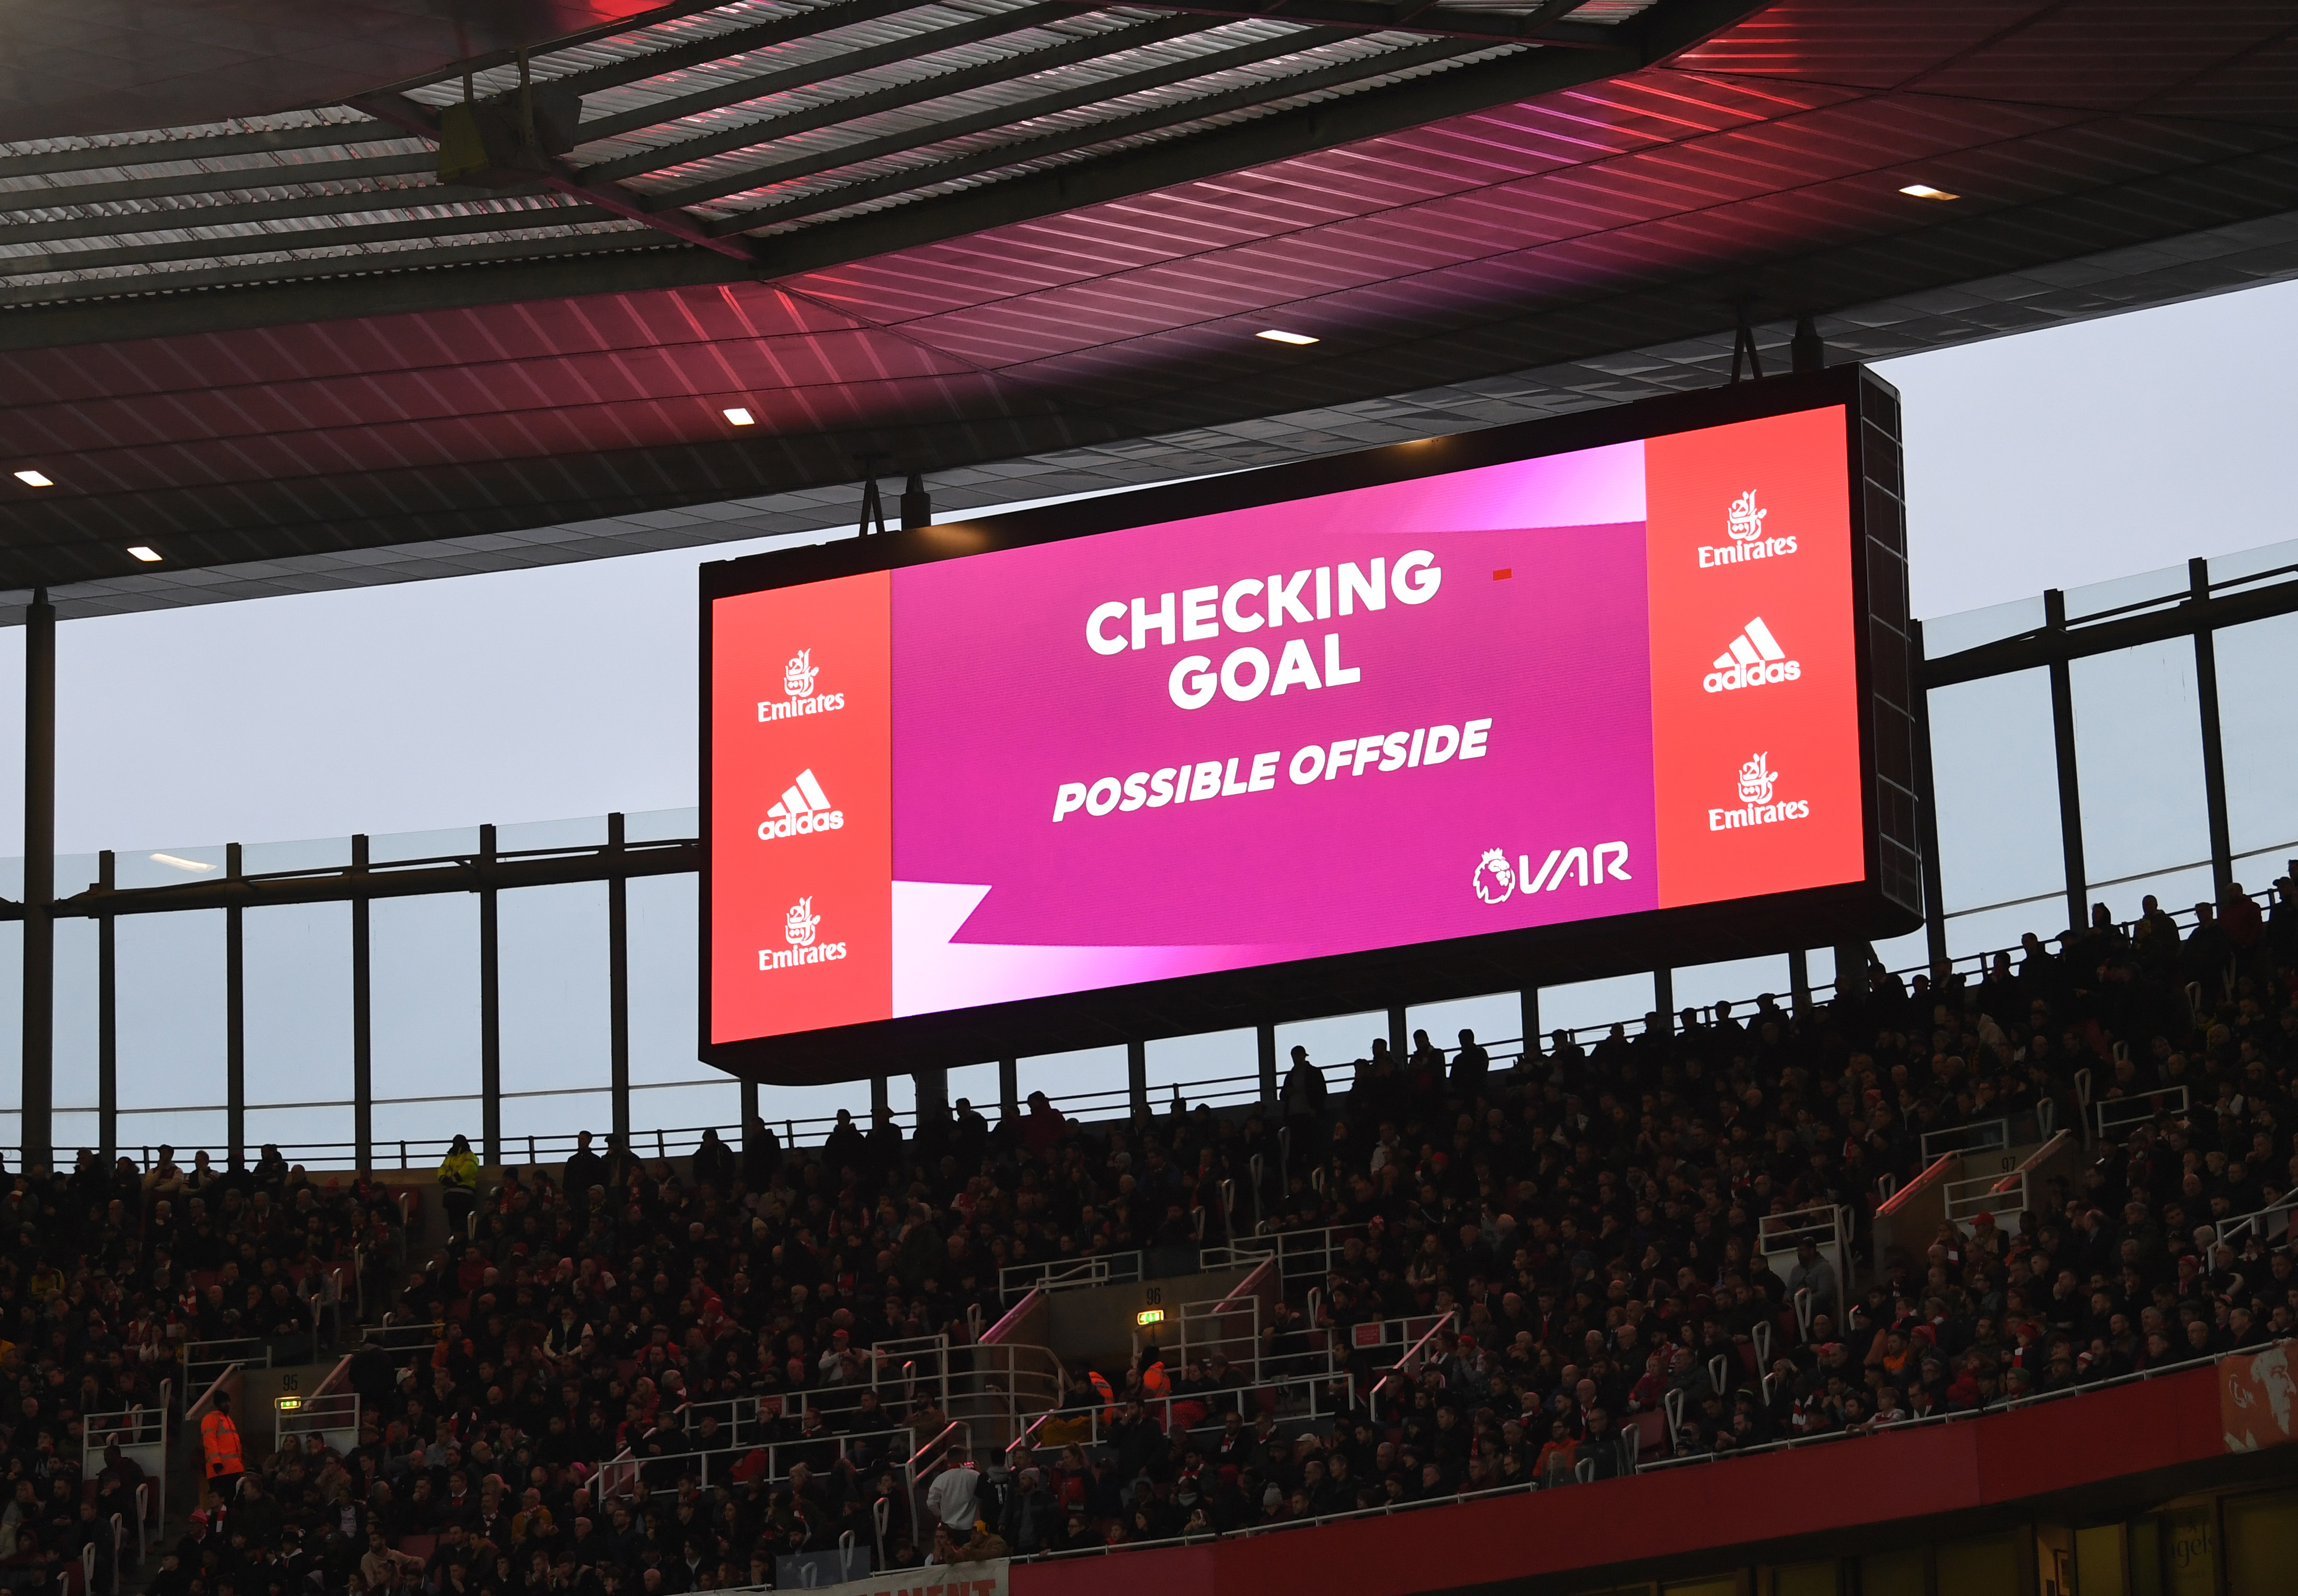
(1021, 245)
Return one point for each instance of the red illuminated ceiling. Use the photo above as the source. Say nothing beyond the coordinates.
(2105, 154)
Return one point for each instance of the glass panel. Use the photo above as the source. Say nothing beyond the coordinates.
(76, 1086)
(1738, 981)
(1967, 629)
(423, 844)
(977, 1084)
(529, 836)
(423, 960)
(12, 1036)
(2257, 726)
(2261, 1535)
(1894, 1573)
(661, 910)
(2188, 1551)
(552, 950)
(2099, 1569)
(2138, 747)
(1995, 770)
(1334, 1044)
(1217, 1067)
(169, 866)
(1592, 1005)
(171, 1033)
(2253, 563)
(321, 853)
(1804, 1579)
(1983, 1568)
(1088, 1083)
(1497, 1020)
(662, 825)
(298, 975)
(2125, 592)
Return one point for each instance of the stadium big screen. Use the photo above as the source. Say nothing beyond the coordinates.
(1538, 703)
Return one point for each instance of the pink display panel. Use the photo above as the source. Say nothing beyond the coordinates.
(1563, 689)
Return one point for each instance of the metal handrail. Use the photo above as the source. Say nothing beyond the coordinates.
(2109, 1114)
(1372, 1397)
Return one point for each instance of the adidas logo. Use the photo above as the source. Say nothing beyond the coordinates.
(804, 808)
(1753, 659)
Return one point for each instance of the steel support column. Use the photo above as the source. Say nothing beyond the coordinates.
(618, 984)
(2206, 697)
(1264, 1038)
(930, 1090)
(1399, 1038)
(749, 1110)
(2062, 736)
(235, 1021)
(1137, 1075)
(1009, 1088)
(107, 1016)
(879, 1100)
(1664, 1000)
(1528, 1020)
(1927, 820)
(362, 1023)
(1799, 980)
(39, 996)
(490, 1009)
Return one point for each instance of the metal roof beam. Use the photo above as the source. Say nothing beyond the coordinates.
(897, 97)
(738, 41)
(237, 179)
(1372, 16)
(609, 195)
(339, 266)
(1279, 136)
(243, 213)
(1069, 140)
(1044, 105)
(257, 244)
(207, 147)
(995, 25)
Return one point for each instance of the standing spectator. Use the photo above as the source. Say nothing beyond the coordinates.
(459, 1185)
(586, 1173)
(1303, 1097)
(220, 1442)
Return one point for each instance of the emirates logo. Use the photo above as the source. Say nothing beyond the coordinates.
(797, 925)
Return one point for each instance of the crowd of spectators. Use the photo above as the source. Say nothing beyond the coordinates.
(1585, 1227)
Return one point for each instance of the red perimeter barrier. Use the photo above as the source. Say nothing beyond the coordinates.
(1698, 1506)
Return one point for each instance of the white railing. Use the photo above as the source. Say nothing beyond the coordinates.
(2111, 1116)
(1980, 1136)
(1069, 1274)
(1991, 1195)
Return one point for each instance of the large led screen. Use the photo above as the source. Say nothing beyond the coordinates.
(1593, 683)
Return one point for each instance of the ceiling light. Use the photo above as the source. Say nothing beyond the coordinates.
(194, 866)
(142, 552)
(1924, 191)
(35, 479)
(1278, 336)
(739, 416)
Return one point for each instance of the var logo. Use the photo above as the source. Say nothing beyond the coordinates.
(804, 809)
(1753, 659)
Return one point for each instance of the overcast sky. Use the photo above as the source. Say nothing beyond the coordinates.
(2050, 458)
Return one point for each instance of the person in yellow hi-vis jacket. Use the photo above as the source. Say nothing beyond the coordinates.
(458, 1187)
(220, 1440)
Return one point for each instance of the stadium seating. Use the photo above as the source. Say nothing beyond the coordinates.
(1464, 1275)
